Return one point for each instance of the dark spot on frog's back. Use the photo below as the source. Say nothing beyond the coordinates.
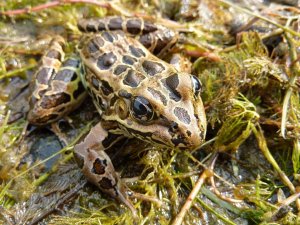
(149, 27)
(101, 26)
(146, 40)
(171, 83)
(152, 68)
(95, 44)
(115, 23)
(91, 28)
(160, 44)
(106, 88)
(120, 69)
(124, 94)
(95, 83)
(133, 79)
(54, 54)
(75, 63)
(105, 183)
(80, 26)
(137, 52)
(92, 47)
(44, 74)
(108, 36)
(99, 166)
(50, 101)
(128, 60)
(106, 60)
(134, 26)
(66, 75)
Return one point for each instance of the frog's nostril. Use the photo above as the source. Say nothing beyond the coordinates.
(189, 133)
(174, 125)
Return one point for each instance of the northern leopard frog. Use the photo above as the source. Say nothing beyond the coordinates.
(136, 93)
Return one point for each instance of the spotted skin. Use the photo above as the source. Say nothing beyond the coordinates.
(56, 88)
(158, 39)
(136, 93)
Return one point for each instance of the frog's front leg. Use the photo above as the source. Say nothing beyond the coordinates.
(96, 164)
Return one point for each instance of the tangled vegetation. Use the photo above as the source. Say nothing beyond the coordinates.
(247, 57)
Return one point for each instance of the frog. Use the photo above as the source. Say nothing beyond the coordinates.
(137, 94)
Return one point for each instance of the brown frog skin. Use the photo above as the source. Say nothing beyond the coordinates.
(136, 93)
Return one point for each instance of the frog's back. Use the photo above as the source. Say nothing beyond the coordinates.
(118, 65)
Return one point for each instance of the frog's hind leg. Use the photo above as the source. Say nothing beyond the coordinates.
(156, 38)
(96, 165)
(134, 25)
(56, 86)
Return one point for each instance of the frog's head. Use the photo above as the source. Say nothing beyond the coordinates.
(166, 111)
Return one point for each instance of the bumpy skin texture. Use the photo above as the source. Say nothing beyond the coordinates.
(136, 93)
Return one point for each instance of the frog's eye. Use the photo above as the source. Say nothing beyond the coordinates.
(141, 109)
(197, 86)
